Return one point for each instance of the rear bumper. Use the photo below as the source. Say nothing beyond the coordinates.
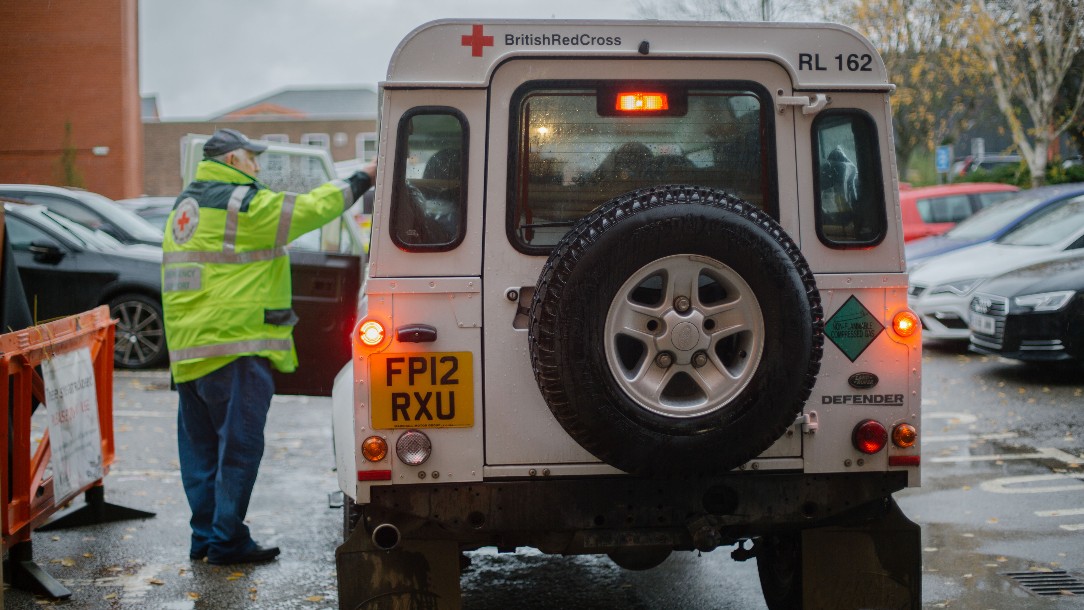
(595, 515)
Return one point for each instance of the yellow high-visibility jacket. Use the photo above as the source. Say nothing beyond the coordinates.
(225, 271)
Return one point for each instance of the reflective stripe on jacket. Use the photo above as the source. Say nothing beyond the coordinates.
(225, 270)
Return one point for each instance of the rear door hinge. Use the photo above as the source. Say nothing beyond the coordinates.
(811, 104)
(809, 422)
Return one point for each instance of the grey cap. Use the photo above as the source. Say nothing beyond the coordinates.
(226, 140)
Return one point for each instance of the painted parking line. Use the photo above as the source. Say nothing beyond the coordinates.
(1064, 512)
(1044, 453)
(162, 414)
(957, 417)
(956, 438)
(1025, 484)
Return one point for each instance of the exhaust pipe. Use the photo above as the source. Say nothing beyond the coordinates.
(386, 536)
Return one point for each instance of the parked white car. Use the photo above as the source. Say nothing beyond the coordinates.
(941, 287)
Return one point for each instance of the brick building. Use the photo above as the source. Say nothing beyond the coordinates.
(70, 107)
(343, 120)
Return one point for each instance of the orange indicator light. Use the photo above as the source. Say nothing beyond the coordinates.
(904, 435)
(374, 448)
(371, 333)
(905, 323)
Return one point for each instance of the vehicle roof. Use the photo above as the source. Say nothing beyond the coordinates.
(464, 52)
(955, 189)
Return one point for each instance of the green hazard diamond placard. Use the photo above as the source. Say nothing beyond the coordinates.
(852, 328)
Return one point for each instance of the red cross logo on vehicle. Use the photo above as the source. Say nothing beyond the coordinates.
(476, 41)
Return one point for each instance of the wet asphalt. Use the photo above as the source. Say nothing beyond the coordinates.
(1003, 492)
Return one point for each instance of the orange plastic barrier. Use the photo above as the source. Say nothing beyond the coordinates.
(28, 495)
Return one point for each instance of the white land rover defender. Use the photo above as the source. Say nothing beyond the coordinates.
(634, 288)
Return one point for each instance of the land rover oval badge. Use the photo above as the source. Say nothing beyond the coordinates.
(862, 381)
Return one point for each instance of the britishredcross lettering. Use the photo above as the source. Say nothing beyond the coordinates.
(561, 40)
(884, 400)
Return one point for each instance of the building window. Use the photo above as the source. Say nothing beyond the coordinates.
(366, 146)
(275, 137)
(316, 139)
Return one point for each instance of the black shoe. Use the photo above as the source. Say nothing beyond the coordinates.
(198, 555)
(256, 555)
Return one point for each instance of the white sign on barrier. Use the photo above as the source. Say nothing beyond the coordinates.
(74, 433)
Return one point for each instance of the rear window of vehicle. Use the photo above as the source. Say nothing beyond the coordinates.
(850, 206)
(574, 148)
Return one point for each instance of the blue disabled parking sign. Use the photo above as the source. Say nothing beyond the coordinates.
(944, 158)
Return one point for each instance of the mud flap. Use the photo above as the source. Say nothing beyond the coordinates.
(415, 574)
(871, 564)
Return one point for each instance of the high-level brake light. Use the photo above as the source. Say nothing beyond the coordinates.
(642, 101)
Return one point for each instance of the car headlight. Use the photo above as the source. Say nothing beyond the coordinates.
(1044, 301)
(958, 288)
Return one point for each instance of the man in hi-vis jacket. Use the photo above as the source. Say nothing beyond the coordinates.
(226, 297)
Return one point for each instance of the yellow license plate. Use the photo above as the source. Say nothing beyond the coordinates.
(422, 390)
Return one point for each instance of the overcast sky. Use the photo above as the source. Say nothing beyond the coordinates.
(201, 57)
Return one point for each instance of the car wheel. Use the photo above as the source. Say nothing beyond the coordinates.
(676, 329)
(140, 333)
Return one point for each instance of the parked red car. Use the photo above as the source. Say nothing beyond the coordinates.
(932, 210)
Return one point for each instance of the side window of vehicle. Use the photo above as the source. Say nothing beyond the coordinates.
(429, 195)
(988, 199)
(22, 234)
(953, 208)
(68, 209)
(850, 202)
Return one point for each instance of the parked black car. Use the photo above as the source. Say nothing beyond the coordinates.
(89, 209)
(1035, 314)
(67, 269)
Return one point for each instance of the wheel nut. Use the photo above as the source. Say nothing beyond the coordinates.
(682, 304)
(664, 360)
(700, 359)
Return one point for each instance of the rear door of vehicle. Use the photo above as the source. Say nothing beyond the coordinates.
(60, 286)
(325, 266)
(567, 149)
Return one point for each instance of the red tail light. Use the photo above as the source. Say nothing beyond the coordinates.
(869, 436)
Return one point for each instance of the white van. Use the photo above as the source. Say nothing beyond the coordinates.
(634, 288)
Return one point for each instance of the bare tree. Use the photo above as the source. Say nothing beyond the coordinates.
(1029, 47)
(730, 10)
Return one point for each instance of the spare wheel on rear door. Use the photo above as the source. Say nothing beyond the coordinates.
(676, 329)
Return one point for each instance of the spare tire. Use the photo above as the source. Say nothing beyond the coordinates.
(676, 329)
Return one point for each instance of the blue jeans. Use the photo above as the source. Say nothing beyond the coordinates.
(220, 425)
